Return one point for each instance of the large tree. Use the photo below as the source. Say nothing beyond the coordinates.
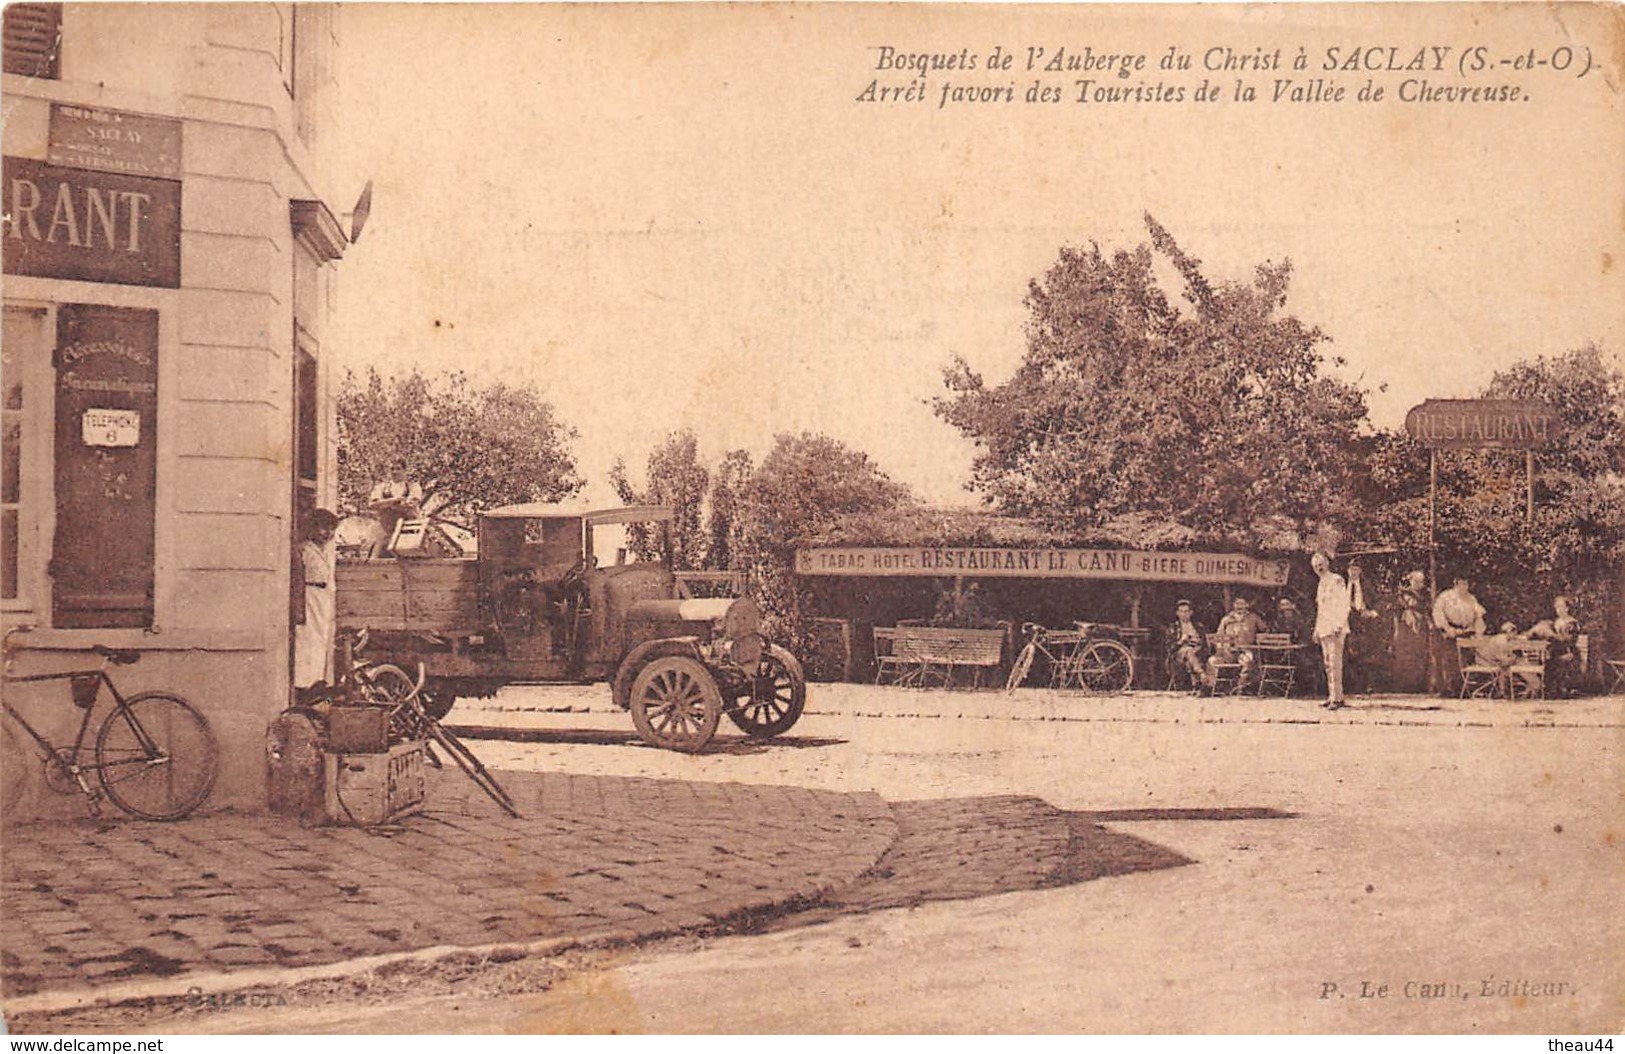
(673, 476)
(1576, 541)
(806, 483)
(470, 446)
(1131, 416)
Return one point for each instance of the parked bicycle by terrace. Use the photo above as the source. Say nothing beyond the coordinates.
(1081, 659)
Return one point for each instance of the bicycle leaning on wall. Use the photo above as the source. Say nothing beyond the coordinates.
(154, 755)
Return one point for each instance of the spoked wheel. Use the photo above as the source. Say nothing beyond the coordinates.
(437, 699)
(389, 685)
(676, 704)
(1023, 666)
(778, 692)
(386, 684)
(156, 757)
(1106, 666)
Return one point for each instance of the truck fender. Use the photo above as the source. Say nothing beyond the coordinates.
(621, 688)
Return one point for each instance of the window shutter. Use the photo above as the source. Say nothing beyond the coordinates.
(106, 466)
(34, 40)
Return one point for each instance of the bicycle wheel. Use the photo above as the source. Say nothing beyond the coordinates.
(385, 684)
(1019, 671)
(1106, 666)
(156, 757)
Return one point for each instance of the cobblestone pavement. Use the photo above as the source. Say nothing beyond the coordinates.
(949, 849)
(595, 857)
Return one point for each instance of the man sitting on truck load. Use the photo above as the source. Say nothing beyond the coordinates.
(390, 503)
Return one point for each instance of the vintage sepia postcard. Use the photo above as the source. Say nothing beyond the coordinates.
(813, 518)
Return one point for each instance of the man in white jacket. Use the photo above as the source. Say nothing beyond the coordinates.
(1332, 604)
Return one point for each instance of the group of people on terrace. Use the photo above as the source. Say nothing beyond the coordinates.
(1352, 643)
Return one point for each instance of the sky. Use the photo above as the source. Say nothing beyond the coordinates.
(685, 217)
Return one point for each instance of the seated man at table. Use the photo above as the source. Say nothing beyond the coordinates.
(1187, 645)
(1233, 640)
(1289, 620)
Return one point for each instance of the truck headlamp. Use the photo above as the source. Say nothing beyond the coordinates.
(746, 651)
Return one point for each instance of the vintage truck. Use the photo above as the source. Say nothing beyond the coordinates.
(534, 607)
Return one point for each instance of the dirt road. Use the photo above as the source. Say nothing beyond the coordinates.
(1365, 875)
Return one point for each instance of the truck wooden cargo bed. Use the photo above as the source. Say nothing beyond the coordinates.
(423, 596)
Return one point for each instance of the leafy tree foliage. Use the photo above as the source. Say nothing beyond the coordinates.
(728, 484)
(805, 483)
(1576, 543)
(675, 477)
(470, 446)
(1205, 423)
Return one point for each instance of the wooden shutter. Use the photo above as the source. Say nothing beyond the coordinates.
(106, 466)
(34, 40)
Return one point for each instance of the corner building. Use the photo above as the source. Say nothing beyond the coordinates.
(170, 251)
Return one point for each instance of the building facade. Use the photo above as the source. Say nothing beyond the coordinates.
(170, 250)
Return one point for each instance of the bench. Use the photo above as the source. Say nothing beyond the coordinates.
(929, 656)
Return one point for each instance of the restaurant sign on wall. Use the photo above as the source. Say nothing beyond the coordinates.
(105, 207)
(986, 562)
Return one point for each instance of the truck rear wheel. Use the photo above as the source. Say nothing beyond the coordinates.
(676, 703)
(437, 699)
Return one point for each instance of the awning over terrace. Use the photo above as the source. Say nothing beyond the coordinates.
(1000, 562)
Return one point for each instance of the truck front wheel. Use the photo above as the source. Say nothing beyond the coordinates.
(676, 703)
(774, 696)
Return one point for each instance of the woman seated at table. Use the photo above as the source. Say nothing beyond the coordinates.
(1563, 659)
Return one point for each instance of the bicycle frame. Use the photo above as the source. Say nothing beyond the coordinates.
(51, 750)
(1067, 653)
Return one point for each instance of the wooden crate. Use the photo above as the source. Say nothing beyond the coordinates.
(362, 790)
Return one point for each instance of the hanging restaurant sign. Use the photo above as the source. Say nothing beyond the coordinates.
(1122, 564)
(92, 226)
(1462, 424)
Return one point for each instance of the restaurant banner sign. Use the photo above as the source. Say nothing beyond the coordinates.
(91, 226)
(1121, 564)
(1466, 424)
